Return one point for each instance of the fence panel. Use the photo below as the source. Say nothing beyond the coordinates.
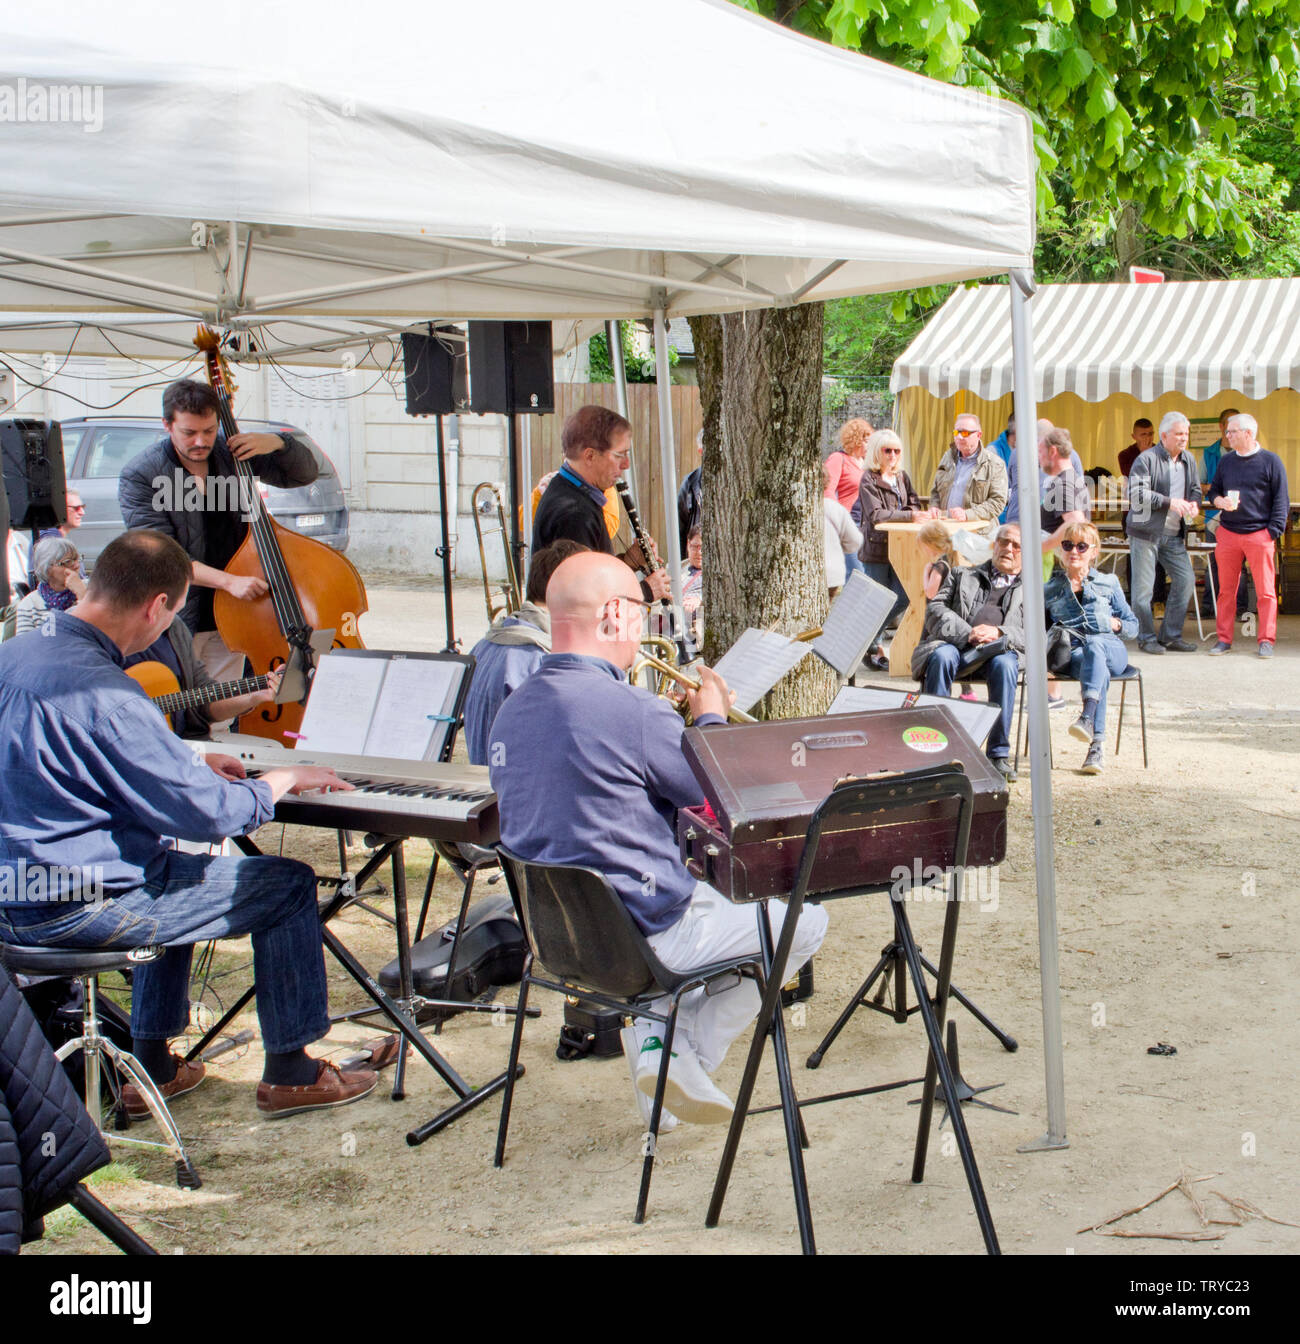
(643, 411)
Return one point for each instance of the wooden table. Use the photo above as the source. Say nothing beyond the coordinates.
(908, 563)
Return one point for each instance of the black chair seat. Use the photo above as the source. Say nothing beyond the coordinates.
(72, 960)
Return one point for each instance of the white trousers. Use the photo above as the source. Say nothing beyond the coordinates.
(715, 929)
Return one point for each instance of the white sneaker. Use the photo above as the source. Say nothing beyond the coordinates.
(644, 1104)
(691, 1094)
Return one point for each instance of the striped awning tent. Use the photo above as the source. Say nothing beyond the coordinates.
(1198, 338)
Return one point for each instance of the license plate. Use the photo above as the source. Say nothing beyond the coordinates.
(310, 519)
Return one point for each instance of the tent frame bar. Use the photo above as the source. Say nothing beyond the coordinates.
(1040, 765)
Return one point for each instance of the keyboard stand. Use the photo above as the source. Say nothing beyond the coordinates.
(397, 1011)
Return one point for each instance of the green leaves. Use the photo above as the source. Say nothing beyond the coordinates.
(1074, 67)
(1103, 9)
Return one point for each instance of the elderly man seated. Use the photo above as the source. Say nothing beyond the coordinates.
(975, 629)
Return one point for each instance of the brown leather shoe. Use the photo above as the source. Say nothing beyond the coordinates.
(188, 1076)
(331, 1088)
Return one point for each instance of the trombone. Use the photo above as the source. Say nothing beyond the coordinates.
(509, 594)
(664, 669)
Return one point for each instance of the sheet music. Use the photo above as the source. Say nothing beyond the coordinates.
(340, 704)
(756, 662)
(976, 717)
(370, 704)
(855, 619)
(413, 690)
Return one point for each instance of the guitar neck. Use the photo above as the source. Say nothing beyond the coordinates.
(205, 695)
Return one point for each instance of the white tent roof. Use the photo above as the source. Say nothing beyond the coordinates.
(600, 158)
(1197, 338)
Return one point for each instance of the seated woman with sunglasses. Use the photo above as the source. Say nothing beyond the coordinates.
(886, 495)
(1091, 606)
(55, 564)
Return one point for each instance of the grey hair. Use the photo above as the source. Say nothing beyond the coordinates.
(51, 551)
(1244, 421)
(882, 438)
(1171, 420)
(1045, 427)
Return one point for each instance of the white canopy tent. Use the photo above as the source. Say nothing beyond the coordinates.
(1108, 353)
(601, 159)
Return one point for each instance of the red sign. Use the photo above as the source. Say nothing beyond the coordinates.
(1144, 275)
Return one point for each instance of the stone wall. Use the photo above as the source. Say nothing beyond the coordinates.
(877, 407)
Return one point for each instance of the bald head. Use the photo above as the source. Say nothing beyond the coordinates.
(596, 609)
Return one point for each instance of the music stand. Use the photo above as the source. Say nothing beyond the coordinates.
(861, 799)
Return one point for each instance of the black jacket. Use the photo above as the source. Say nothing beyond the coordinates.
(47, 1141)
(568, 512)
(881, 505)
(950, 614)
(157, 467)
(1148, 493)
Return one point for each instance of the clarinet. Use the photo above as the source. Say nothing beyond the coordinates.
(653, 563)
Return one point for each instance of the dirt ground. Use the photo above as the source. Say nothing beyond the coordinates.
(1174, 888)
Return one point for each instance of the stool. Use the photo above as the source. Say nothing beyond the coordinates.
(87, 965)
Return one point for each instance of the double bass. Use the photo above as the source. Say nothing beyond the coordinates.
(310, 586)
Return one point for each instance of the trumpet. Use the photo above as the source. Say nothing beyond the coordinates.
(664, 669)
(665, 648)
(510, 597)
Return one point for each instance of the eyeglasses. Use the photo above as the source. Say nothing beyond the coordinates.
(77, 508)
(891, 452)
(1076, 546)
(1006, 541)
(966, 433)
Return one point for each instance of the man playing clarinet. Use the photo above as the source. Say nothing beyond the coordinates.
(597, 445)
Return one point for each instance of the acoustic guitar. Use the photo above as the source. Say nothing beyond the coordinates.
(160, 685)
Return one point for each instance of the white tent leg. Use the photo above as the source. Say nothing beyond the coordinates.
(670, 542)
(1031, 541)
(614, 338)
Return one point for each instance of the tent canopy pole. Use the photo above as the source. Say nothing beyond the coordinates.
(1031, 542)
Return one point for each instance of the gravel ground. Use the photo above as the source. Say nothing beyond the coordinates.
(1174, 889)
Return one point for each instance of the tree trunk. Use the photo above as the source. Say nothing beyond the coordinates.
(764, 565)
(1129, 239)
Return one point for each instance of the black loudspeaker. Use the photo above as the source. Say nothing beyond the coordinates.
(511, 368)
(435, 375)
(32, 451)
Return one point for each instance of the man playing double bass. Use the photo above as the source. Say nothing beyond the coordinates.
(186, 485)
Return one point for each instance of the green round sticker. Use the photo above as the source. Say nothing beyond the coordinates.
(924, 739)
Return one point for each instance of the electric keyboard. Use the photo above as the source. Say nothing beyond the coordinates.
(428, 799)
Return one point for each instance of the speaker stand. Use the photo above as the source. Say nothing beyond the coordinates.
(443, 552)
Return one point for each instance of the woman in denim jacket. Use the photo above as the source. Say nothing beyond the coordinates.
(1091, 606)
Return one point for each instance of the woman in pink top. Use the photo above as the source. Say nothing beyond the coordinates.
(844, 473)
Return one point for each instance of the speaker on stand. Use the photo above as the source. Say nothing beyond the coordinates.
(512, 372)
(435, 366)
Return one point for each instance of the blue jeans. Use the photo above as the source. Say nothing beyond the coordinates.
(198, 898)
(1101, 657)
(1171, 551)
(1000, 672)
(851, 564)
(883, 573)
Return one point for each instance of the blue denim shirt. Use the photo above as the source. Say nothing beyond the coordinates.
(1089, 611)
(91, 778)
(589, 770)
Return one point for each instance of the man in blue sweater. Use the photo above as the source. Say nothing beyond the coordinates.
(589, 770)
(1249, 486)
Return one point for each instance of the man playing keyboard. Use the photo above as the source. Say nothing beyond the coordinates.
(91, 783)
